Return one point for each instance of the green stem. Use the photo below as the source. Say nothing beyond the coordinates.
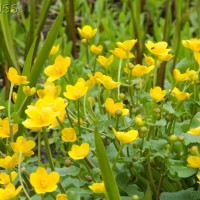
(22, 104)
(99, 98)
(115, 160)
(79, 124)
(118, 77)
(67, 111)
(49, 156)
(87, 52)
(9, 117)
(89, 170)
(39, 148)
(20, 176)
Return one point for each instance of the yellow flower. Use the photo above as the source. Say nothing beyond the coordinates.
(157, 94)
(87, 32)
(44, 182)
(178, 76)
(198, 176)
(9, 161)
(5, 178)
(79, 152)
(68, 135)
(29, 91)
(54, 50)
(181, 96)
(77, 91)
(39, 117)
(98, 188)
(61, 197)
(127, 45)
(9, 192)
(108, 83)
(140, 70)
(197, 57)
(138, 120)
(115, 108)
(5, 128)
(24, 146)
(193, 44)
(97, 78)
(195, 131)
(105, 62)
(149, 60)
(2, 107)
(192, 75)
(159, 49)
(126, 137)
(120, 53)
(58, 69)
(96, 49)
(194, 161)
(14, 78)
(14, 97)
(49, 89)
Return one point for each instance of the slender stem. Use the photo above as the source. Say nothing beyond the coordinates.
(79, 124)
(20, 176)
(87, 52)
(49, 156)
(9, 117)
(22, 104)
(99, 98)
(39, 148)
(95, 64)
(118, 77)
(67, 111)
(89, 170)
(115, 160)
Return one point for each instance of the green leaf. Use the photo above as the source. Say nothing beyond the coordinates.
(182, 171)
(106, 171)
(181, 195)
(168, 107)
(148, 194)
(189, 138)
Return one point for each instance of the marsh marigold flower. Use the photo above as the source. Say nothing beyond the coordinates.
(24, 146)
(140, 70)
(108, 83)
(96, 49)
(198, 176)
(98, 188)
(157, 94)
(68, 135)
(194, 161)
(105, 62)
(113, 107)
(9, 161)
(180, 96)
(127, 45)
(138, 120)
(44, 182)
(192, 75)
(149, 60)
(58, 69)
(77, 91)
(79, 152)
(126, 137)
(5, 128)
(87, 32)
(61, 197)
(120, 53)
(178, 76)
(9, 192)
(159, 49)
(29, 91)
(193, 44)
(49, 90)
(15, 78)
(14, 97)
(2, 107)
(195, 131)
(54, 50)
(5, 178)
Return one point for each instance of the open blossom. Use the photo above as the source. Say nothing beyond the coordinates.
(157, 94)
(24, 146)
(195, 131)
(96, 49)
(113, 107)
(193, 44)
(5, 178)
(120, 53)
(178, 76)
(15, 78)
(9, 192)
(79, 152)
(44, 182)
(68, 135)
(194, 161)
(58, 69)
(105, 62)
(29, 91)
(9, 161)
(61, 197)
(98, 188)
(108, 83)
(126, 137)
(127, 45)
(181, 96)
(159, 49)
(149, 60)
(77, 91)
(87, 32)
(5, 128)
(140, 70)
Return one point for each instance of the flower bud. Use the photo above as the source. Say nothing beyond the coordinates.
(122, 96)
(135, 197)
(144, 129)
(194, 150)
(84, 41)
(181, 138)
(118, 113)
(157, 110)
(89, 178)
(68, 162)
(91, 100)
(173, 138)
